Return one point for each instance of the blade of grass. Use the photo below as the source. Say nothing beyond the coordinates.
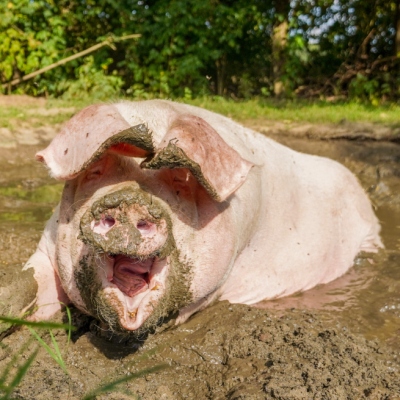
(21, 372)
(69, 323)
(57, 349)
(111, 386)
(40, 325)
(52, 353)
(13, 361)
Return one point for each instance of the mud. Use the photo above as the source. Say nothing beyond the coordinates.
(115, 241)
(173, 156)
(337, 341)
(138, 136)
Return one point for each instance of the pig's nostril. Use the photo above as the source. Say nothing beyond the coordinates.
(144, 227)
(108, 221)
(104, 225)
(141, 224)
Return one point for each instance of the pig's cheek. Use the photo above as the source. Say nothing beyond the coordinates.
(70, 253)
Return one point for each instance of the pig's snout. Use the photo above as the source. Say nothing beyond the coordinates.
(126, 228)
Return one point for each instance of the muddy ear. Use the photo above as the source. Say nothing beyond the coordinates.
(194, 144)
(86, 136)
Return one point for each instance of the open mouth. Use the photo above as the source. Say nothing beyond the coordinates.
(131, 275)
(133, 286)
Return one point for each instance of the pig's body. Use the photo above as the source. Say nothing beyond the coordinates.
(255, 221)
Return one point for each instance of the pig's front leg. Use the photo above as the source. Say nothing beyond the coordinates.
(50, 295)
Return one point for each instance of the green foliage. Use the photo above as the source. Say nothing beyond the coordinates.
(364, 89)
(31, 36)
(297, 61)
(91, 82)
(351, 47)
(191, 48)
(196, 45)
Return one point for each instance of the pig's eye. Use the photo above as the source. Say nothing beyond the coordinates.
(95, 171)
(94, 174)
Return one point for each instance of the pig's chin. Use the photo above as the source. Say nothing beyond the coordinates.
(134, 286)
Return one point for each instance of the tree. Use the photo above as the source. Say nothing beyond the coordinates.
(279, 43)
(236, 48)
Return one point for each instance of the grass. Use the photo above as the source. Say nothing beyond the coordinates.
(10, 379)
(114, 386)
(11, 116)
(33, 204)
(292, 111)
(302, 111)
(42, 194)
(15, 370)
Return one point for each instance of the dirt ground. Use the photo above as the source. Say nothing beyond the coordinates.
(226, 351)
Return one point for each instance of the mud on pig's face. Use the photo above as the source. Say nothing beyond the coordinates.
(128, 271)
(116, 252)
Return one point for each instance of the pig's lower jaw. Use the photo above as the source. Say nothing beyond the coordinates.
(133, 287)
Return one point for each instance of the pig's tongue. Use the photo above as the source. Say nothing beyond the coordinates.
(131, 275)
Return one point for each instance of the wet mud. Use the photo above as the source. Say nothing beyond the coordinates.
(337, 341)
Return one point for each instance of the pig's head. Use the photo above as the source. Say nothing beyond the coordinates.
(140, 201)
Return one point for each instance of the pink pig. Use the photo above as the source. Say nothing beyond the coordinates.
(168, 207)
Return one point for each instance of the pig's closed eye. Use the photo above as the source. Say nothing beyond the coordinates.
(94, 173)
(96, 170)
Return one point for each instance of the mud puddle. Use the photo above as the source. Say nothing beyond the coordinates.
(337, 341)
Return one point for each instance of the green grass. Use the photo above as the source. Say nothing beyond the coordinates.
(42, 194)
(289, 111)
(9, 380)
(36, 115)
(115, 385)
(16, 370)
(302, 111)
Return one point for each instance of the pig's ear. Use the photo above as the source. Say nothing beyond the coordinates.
(88, 134)
(194, 144)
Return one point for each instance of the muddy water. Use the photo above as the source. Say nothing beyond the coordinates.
(367, 298)
(339, 340)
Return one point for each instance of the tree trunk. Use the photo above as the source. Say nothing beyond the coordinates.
(397, 28)
(220, 64)
(279, 43)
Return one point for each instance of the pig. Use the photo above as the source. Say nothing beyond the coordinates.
(168, 207)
